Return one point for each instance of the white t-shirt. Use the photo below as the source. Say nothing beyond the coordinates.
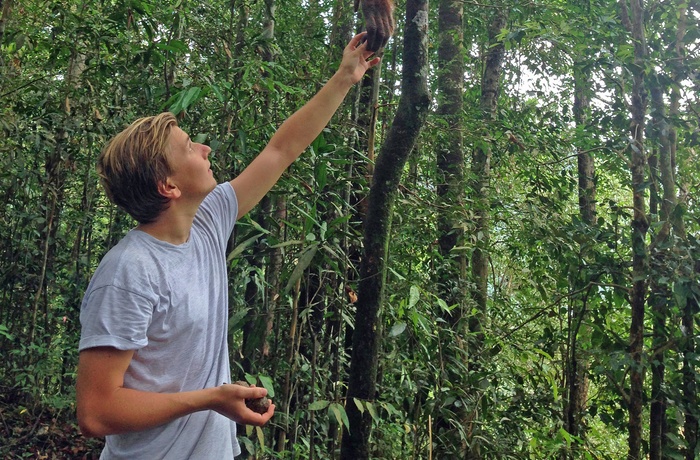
(169, 303)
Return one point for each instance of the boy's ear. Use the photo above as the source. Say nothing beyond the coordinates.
(168, 189)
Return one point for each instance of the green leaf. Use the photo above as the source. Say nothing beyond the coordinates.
(372, 411)
(261, 436)
(359, 405)
(268, 385)
(175, 46)
(217, 92)
(236, 319)
(184, 99)
(250, 447)
(443, 305)
(284, 244)
(399, 276)
(566, 436)
(340, 415)
(258, 227)
(397, 329)
(413, 296)
(303, 262)
(5, 332)
(318, 405)
(242, 247)
(191, 97)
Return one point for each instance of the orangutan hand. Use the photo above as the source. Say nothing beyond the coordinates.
(379, 21)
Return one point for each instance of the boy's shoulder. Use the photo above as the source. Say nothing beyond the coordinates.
(130, 262)
(218, 204)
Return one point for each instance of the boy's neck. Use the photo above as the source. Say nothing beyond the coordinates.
(170, 226)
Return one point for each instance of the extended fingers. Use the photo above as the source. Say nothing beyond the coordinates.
(356, 40)
(379, 21)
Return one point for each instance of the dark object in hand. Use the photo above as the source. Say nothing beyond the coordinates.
(379, 21)
(259, 405)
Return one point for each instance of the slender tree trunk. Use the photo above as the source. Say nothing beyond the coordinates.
(5, 9)
(358, 169)
(411, 113)
(285, 402)
(255, 322)
(660, 294)
(175, 33)
(633, 19)
(585, 160)
(259, 323)
(80, 255)
(481, 172)
(451, 194)
(335, 327)
(233, 42)
(57, 165)
(342, 26)
(577, 365)
(691, 307)
(274, 271)
(690, 371)
(260, 319)
(450, 154)
(481, 200)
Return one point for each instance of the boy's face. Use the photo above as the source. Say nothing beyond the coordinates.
(191, 168)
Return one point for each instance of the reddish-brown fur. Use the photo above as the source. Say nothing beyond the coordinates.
(379, 21)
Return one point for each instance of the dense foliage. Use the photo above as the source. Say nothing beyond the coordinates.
(560, 285)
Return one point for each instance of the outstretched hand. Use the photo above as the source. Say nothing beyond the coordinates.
(355, 58)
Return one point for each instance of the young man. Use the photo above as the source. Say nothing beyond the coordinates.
(153, 350)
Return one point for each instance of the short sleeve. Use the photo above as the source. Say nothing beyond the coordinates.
(218, 212)
(115, 317)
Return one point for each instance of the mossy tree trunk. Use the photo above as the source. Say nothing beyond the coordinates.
(451, 195)
(401, 138)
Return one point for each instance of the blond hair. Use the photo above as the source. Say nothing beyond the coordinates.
(134, 163)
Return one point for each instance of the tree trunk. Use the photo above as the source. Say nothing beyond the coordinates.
(5, 9)
(481, 171)
(261, 316)
(450, 190)
(335, 327)
(481, 199)
(633, 19)
(411, 113)
(255, 323)
(284, 401)
(259, 324)
(660, 294)
(577, 365)
(690, 309)
(450, 154)
(58, 163)
(689, 371)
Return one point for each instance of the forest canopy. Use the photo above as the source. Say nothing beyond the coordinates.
(538, 291)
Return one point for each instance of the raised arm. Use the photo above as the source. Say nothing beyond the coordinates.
(299, 130)
(106, 407)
